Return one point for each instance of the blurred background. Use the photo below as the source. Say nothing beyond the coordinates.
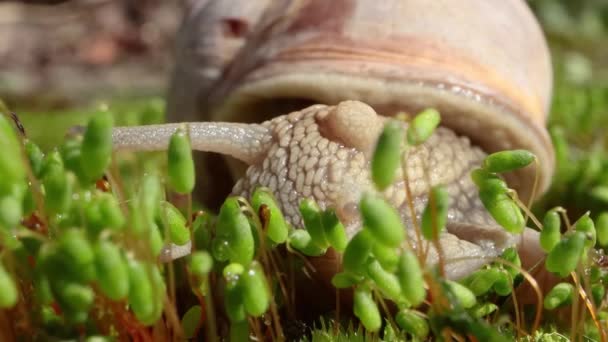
(61, 62)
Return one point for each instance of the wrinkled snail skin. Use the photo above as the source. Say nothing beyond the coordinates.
(483, 64)
(323, 152)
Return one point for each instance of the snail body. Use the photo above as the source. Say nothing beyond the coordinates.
(290, 91)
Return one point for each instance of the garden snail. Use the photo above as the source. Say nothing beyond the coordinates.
(318, 72)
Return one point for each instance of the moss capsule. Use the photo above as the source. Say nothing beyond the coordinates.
(585, 224)
(11, 211)
(357, 252)
(276, 227)
(8, 290)
(343, 280)
(35, 157)
(176, 222)
(504, 210)
(386, 256)
(411, 278)
(422, 126)
(387, 154)
(57, 185)
(334, 230)
(234, 233)
(180, 164)
(505, 161)
(482, 281)
(564, 257)
(233, 299)
(311, 214)
(141, 294)
(201, 263)
(435, 214)
(366, 310)
(111, 269)
(465, 296)
(386, 282)
(191, 320)
(72, 296)
(560, 295)
(75, 254)
(550, 234)
(256, 298)
(382, 220)
(97, 146)
(602, 229)
(11, 167)
(412, 323)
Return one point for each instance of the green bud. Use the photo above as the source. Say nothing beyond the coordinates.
(11, 211)
(12, 169)
(366, 310)
(505, 161)
(155, 239)
(565, 256)
(382, 220)
(72, 296)
(484, 309)
(150, 196)
(465, 296)
(357, 251)
(387, 256)
(180, 165)
(300, 240)
(176, 222)
(387, 282)
(598, 292)
(412, 323)
(560, 295)
(435, 214)
(334, 230)
(42, 287)
(482, 281)
(104, 212)
(256, 298)
(57, 186)
(503, 286)
(602, 229)
(276, 227)
(387, 155)
(550, 234)
(71, 154)
(35, 157)
(201, 231)
(343, 280)
(76, 255)
(96, 149)
(511, 255)
(234, 233)
(585, 225)
(201, 263)
(422, 126)
(504, 210)
(141, 294)
(233, 298)
(191, 320)
(311, 214)
(8, 289)
(411, 278)
(112, 271)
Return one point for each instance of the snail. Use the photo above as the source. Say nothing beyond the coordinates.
(296, 94)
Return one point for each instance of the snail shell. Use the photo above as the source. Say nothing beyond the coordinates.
(483, 64)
